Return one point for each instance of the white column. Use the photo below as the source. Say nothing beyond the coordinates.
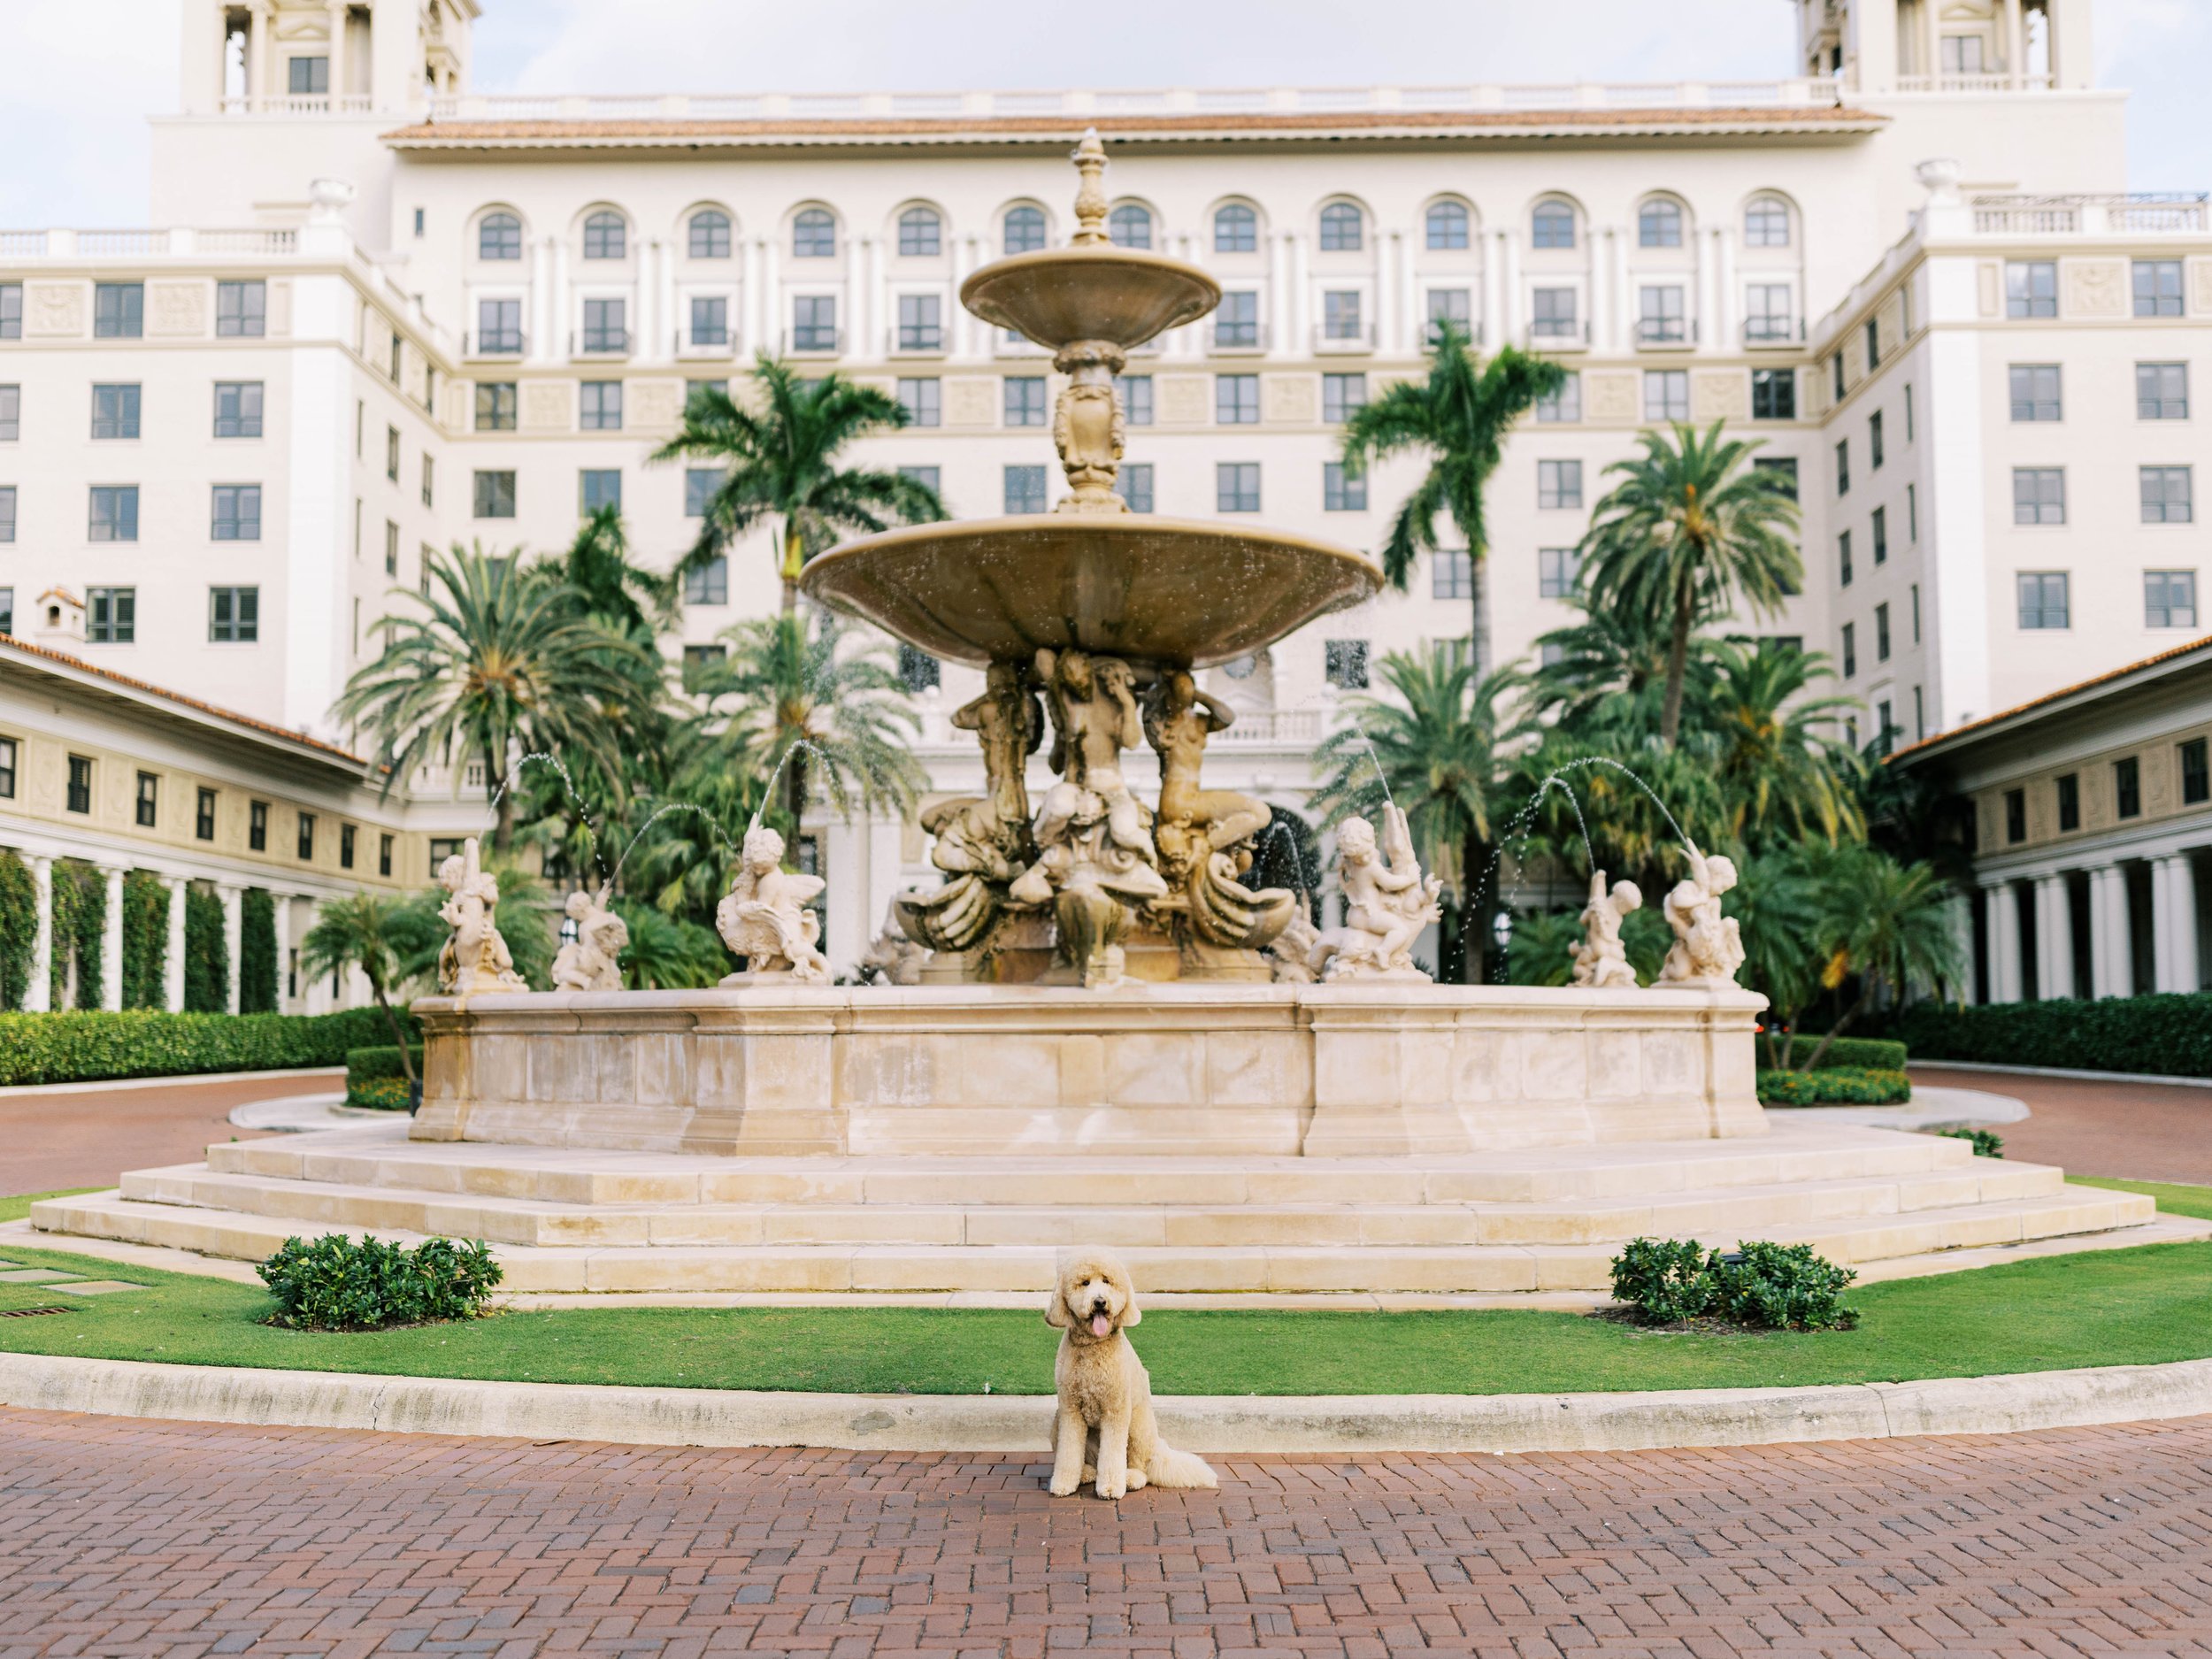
(1931, 46)
(258, 53)
(1620, 303)
(2174, 923)
(1301, 339)
(651, 323)
(2053, 938)
(1389, 255)
(1721, 331)
(2110, 962)
(771, 300)
(111, 938)
(233, 933)
(173, 963)
(337, 51)
(559, 318)
(38, 996)
(1410, 317)
(2004, 943)
(674, 322)
(2015, 44)
(1508, 289)
(749, 300)
(539, 323)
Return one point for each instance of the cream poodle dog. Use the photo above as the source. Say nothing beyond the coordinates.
(1104, 1428)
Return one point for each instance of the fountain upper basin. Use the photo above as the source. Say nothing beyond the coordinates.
(1132, 585)
(1057, 296)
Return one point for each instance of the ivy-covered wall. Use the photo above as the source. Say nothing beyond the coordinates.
(257, 964)
(19, 928)
(206, 953)
(145, 939)
(79, 920)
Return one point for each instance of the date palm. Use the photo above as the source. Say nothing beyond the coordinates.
(1784, 762)
(487, 660)
(1893, 929)
(1691, 528)
(781, 463)
(377, 933)
(1458, 418)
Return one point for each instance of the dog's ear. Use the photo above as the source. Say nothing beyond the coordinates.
(1130, 1312)
(1057, 1312)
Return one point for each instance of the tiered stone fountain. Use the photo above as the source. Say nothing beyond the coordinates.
(1100, 1053)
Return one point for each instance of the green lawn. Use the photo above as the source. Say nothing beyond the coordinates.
(19, 1206)
(2193, 1201)
(2100, 1308)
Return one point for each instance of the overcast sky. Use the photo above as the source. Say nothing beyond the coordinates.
(77, 77)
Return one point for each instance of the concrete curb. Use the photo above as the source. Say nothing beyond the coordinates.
(924, 1423)
(174, 1079)
(2167, 1078)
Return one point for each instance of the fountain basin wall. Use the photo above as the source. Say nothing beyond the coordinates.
(1339, 1070)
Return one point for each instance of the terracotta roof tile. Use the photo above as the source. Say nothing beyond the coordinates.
(2017, 710)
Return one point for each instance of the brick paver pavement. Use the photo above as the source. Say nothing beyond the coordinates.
(119, 1537)
(2135, 1132)
(54, 1138)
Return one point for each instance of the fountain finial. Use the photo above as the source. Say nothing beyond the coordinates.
(1090, 199)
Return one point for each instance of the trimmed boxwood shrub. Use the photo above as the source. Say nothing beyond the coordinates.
(1878, 1054)
(378, 1060)
(334, 1283)
(1761, 1286)
(142, 1042)
(2170, 1033)
(1987, 1142)
(1834, 1086)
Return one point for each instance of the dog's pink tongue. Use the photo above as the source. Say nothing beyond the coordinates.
(1100, 1324)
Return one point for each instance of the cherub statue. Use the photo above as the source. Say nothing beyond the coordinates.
(1091, 830)
(891, 959)
(474, 958)
(764, 918)
(1708, 947)
(1388, 902)
(1600, 960)
(592, 961)
(1289, 957)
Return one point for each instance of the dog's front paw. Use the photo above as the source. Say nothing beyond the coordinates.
(1136, 1480)
(1112, 1488)
(1062, 1488)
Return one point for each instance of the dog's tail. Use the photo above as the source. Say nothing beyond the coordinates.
(1172, 1468)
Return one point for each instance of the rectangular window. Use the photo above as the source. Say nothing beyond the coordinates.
(602, 405)
(709, 320)
(1881, 633)
(606, 324)
(1025, 400)
(1781, 472)
(2069, 802)
(1237, 487)
(1136, 398)
(700, 483)
(147, 807)
(1843, 559)
(2127, 786)
(1565, 404)
(1237, 400)
(1455, 306)
(694, 390)
(1916, 613)
(308, 77)
(1553, 314)
(384, 855)
(345, 846)
(1559, 483)
(922, 400)
(2169, 599)
(814, 322)
(2035, 391)
(1342, 396)
(7, 768)
(707, 584)
(921, 323)
(1907, 411)
(1237, 320)
(114, 512)
(699, 663)
(7, 515)
(2039, 494)
(1340, 314)
(495, 495)
(242, 309)
(10, 414)
(238, 409)
(233, 615)
(10, 310)
(1557, 570)
(80, 783)
(598, 487)
(1768, 314)
(1452, 574)
(498, 326)
(1850, 650)
(1873, 335)
(2042, 598)
(2158, 288)
(2161, 391)
(494, 406)
(115, 412)
(203, 816)
(237, 515)
(1912, 514)
(1874, 442)
(1774, 394)
(2016, 815)
(1881, 535)
(1340, 494)
(1025, 489)
(1660, 316)
(1666, 394)
(118, 311)
(1835, 364)
(429, 492)
(112, 616)
(2032, 288)
(2196, 777)
(918, 671)
(2166, 495)
(1843, 467)
(1344, 663)
(306, 842)
(1133, 485)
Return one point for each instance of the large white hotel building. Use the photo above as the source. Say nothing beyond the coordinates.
(380, 311)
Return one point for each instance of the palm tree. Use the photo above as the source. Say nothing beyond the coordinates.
(492, 661)
(1690, 526)
(629, 598)
(782, 463)
(1783, 760)
(1895, 930)
(1459, 417)
(376, 934)
(1432, 748)
(668, 954)
(1608, 673)
(796, 700)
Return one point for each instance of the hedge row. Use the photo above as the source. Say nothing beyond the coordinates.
(381, 1060)
(2167, 1033)
(1878, 1054)
(136, 1042)
(1834, 1086)
(379, 1094)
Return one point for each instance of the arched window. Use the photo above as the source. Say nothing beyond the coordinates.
(1552, 225)
(1447, 225)
(1130, 226)
(1766, 224)
(814, 235)
(921, 233)
(1339, 228)
(499, 237)
(710, 233)
(606, 237)
(1024, 230)
(1659, 224)
(1236, 229)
